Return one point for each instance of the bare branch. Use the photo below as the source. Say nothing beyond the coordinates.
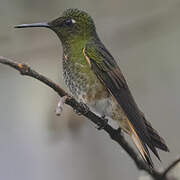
(27, 71)
(170, 167)
(82, 108)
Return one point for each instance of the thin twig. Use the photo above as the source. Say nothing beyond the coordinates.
(82, 108)
(170, 167)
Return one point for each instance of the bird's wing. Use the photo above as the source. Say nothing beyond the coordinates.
(106, 69)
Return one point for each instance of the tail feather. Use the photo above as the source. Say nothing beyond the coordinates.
(156, 140)
(142, 148)
(152, 140)
(153, 148)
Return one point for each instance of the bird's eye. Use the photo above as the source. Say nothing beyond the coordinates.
(68, 22)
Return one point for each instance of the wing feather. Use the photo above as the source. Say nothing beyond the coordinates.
(106, 69)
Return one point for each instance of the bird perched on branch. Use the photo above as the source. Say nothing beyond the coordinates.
(94, 78)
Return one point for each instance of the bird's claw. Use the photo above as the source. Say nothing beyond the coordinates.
(77, 112)
(102, 125)
(83, 109)
(60, 105)
(118, 131)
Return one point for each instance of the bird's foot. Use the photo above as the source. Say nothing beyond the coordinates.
(119, 131)
(102, 125)
(82, 110)
(60, 105)
(116, 134)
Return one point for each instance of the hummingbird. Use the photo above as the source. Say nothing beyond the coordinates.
(93, 77)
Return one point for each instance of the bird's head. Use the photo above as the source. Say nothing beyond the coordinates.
(72, 24)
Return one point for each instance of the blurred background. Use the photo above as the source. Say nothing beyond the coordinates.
(144, 37)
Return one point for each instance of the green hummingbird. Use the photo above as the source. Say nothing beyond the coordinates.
(94, 78)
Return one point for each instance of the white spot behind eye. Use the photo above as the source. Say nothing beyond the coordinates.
(73, 21)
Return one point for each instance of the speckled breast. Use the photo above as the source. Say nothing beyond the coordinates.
(84, 86)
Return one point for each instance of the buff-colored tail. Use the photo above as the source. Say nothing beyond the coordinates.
(154, 141)
(140, 146)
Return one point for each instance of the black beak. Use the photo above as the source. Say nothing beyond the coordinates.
(43, 24)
